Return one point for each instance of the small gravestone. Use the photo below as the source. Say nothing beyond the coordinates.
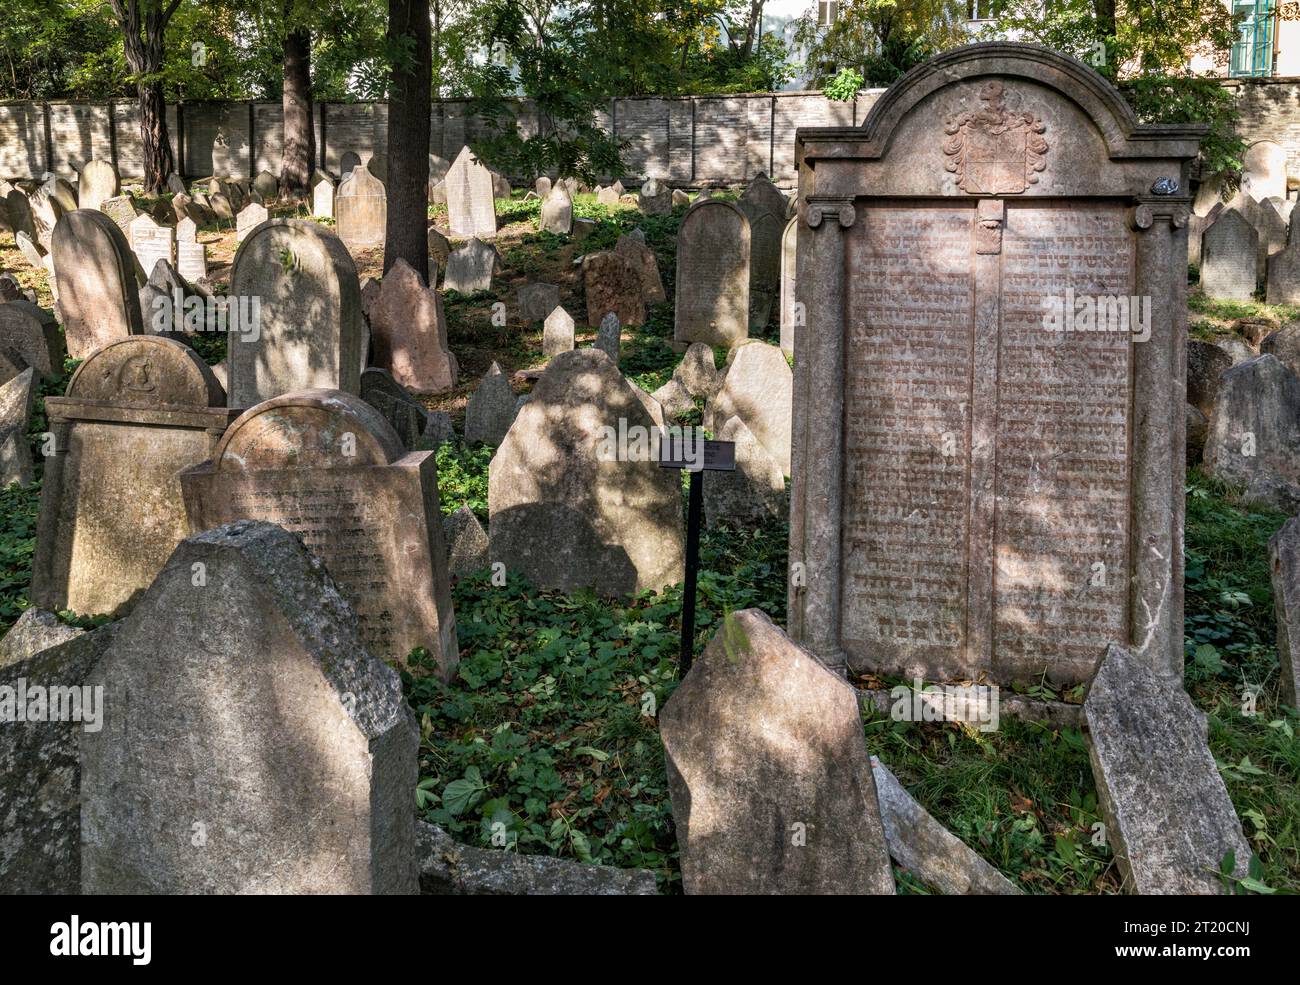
(121, 210)
(1206, 364)
(191, 255)
(607, 197)
(349, 161)
(408, 332)
(766, 231)
(470, 268)
(322, 195)
(467, 542)
(250, 217)
(17, 397)
(557, 212)
(136, 412)
(1169, 821)
(399, 407)
(439, 430)
(470, 208)
(634, 249)
(152, 242)
(18, 211)
(32, 333)
(1284, 344)
(175, 183)
(680, 199)
(1254, 436)
(1284, 562)
(791, 312)
(752, 494)
(557, 333)
(617, 188)
(759, 389)
(309, 326)
(698, 372)
(491, 408)
(31, 250)
(612, 283)
(536, 301)
(542, 187)
(654, 198)
(439, 251)
(771, 786)
(98, 296)
(267, 186)
(500, 186)
(361, 209)
(98, 183)
(320, 715)
(1283, 285)
(47, 210)
(761, 195)
(609, 337)
(326, 466)
(222, 206)
(567, 506)
(712, 301)
(1229, 251)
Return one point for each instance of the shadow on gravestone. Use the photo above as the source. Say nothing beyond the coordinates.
(98, 295)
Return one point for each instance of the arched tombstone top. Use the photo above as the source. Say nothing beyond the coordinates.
(95, 270)
(1263, 170)
(714, 209)
(146, 371)
(360, 183)
(309, 429)
(1001, 118)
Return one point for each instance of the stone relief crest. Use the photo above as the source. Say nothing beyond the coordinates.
(994, 150)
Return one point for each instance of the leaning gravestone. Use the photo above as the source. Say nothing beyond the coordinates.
(361, 209)
(98, 297)
(33, 334)
(974, 495)
(1284, 562)
(322, 195)
(771, 787)
(1169, 821)
(309, 333)
(758, 388)
(326, 466)
(791, 311)
(565, 508)
(612, 284)
(408, 332)
(136, 412)
(557, 212)
(1229, 257)
(17, 398)
(712, 294)
(641, 257)
(120, 209)
(98, 184)
(152, 242)
(18, 210)
(470, 268)
(250, 217)
(471, 210)
(319, 716)
(398, 405)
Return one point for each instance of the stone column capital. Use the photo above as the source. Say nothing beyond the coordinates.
(819, 208)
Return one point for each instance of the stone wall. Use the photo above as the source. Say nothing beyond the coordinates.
(1270, 110)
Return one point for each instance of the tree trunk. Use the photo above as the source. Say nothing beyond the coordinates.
(158, 161)
(409, 104)
(1105, 11)
(299, 157)
(144, 23)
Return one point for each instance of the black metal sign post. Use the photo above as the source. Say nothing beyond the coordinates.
(696, 456)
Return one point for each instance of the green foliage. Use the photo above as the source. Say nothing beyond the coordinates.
(462, 478)
(844, 86)
(877, 40)
(1185, 98)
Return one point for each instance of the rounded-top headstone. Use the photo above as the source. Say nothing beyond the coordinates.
(361, 209)
(147, 371)
(95, 269)
(98, 182)
(712, 301)
(305, 430)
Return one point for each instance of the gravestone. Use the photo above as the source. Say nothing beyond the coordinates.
(470, 209)
(98, 297)
(136, 412)
(1284, 563)
(1263, 170)
(309, 331)
(1169, 821)
(641, 257)
(175, 183)
(467, 542)
(491, 408)
(361, 209)
(250, 217)
(542, 187)
(326, 466)
(757, 387)
(607, 197)
(752, 494)
(761, 196)
(322, 195)
(17, 397)
(612, 284)
(500, 186)
(771, 786)
(791, 312)
(1283, 285)
(33, 334)
(98, 184)
(765, 238)
(439, 251)
(1196, 226)
(152, 242)
(654, 197)
(557, 333)
(680, 198)
(191, 255)
(120, 209)
(557, 212)
(568, 510)
(982, 489)
(349, 161)
(536, 301)
(18, 211)
(408, 332)
(609, 337)
(31, 250)
(398, 405)
(1254, 435)
(222, 207)
(712, 292)
(319, 717)
(267, 186)
(470, 268)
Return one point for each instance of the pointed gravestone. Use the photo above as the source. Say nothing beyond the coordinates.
(267, 186)
(152, 242)
(439, 251)
(467, 542)
(250, 217)
(136, 412)
(791, 314)
(320, 716)
(636, 252)
(1229, 257)
(326, 466)
(771, 786)
(612, 284)
(557, 333)
(758, 388)
(32, 333)
(1284, 562)
(761, 195)
(470, 207)
(536, 301)
(191, 255)
(309, 326)
(98, 184)
(712, 301)
(470, 268)
(557, 212)
(322, 195)
(607, 197)
(1169, 821)
(491, 408)
(98, 296)
(567, 506)
(408, 332)
(361, 209)
(609, 337)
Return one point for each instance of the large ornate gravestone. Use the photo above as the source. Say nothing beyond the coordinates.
(326, 466)
(985, 485)
(136, 412)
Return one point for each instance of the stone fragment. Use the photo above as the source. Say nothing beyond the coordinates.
(467, 542)
(754, 493)
(408, 332)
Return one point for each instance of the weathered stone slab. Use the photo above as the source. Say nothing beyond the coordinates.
(152, 242)
(654, 197)
(1284, 344)
(761, 196)
(322, 195)
(607, 197)
(470, 268)
(1255, 427)
(439, 251)
(557, 212)
(320, 716)
(467, 542)
(98, 298)
(471, 210)
(326, 466)
(309, 325)
(768, 772)
(250, 217)
(564, 510)
(791, 309)
(757, 388)
(557, 332)
(98, 184)
(1206, 364)
(267, 186)
(1283, 285)
(1263, 170)
(361, 209)
(135, 413)
(18, 212)
(765, 236)
(612, 284)
(33, 333)
(1169, 821)
(609, 337)
(408, 332)
(647, 267)
(712, 300)
(491, 408)
(399, 407)
(754, 493)
(1284, 563)
(17, 397)
(537, 301)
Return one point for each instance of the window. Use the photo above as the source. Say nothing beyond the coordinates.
(1253, 52)
(827, 11)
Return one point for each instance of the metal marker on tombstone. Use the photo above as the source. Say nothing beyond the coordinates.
(707, 456)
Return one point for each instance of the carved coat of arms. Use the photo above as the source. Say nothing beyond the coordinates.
(993, 150)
